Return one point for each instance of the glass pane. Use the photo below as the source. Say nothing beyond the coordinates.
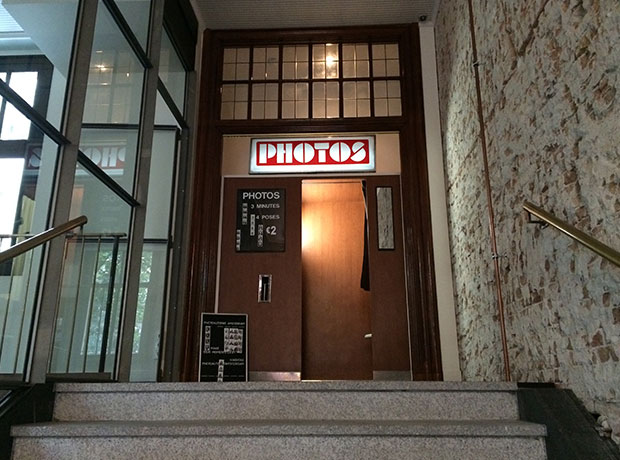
(171, 72)
(385, 60)
(236, 64)
(271, 110)
(301, 109)
(325, 61)
(234, 102)
(106, 211)
(163, 115)
(288, 109)
(151, 301)
(37, 37)
(92, 286)
(113, 150)
(258, 110)
(160, 179)
(114, 92)
(288, 92)
(137, 15)
(15, 126)
(26, 180)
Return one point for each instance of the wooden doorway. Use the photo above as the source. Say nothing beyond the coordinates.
(336, 312)
(417, 244)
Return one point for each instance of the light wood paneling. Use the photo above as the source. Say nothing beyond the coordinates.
(336, 311)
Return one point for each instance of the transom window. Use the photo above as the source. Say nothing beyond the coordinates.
(326, 80)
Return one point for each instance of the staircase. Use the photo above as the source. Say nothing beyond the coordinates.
(283, 420)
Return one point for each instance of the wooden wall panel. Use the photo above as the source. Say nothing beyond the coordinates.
(390, 330)
(274, 329)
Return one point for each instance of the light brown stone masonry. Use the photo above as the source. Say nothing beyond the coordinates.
(550, 80)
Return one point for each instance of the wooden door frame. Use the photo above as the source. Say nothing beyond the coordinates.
(205, 209)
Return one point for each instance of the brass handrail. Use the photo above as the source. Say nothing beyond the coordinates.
(588, 241)
(41, 238)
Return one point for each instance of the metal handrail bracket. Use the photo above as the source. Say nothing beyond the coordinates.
(41, 238)
(588, 241)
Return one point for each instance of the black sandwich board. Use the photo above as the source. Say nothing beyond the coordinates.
(223, 348)
(260, 220)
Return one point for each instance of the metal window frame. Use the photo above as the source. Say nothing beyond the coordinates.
(70, 156)
(171, 347)
(45, 314)
(128, 33)
(141, 185)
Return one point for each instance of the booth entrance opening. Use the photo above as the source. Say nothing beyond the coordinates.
(336, 304)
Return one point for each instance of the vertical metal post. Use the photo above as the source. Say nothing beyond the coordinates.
(143, 166)
(76, 303)
(7, 306)
(22, 321)
(61, 207)
(108, 306)
(91, 301)
(174, 340)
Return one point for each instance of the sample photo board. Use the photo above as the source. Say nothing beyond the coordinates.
(224, 348)
(261, 220)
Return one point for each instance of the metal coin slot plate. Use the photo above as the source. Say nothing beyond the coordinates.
(264, 288)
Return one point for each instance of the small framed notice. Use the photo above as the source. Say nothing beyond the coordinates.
(223, 348)
(385, 218)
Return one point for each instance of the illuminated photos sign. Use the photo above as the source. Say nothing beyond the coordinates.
(320, 154)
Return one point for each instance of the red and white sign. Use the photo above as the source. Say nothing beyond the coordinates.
(318, 154)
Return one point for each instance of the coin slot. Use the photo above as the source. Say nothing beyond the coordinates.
(264, 288)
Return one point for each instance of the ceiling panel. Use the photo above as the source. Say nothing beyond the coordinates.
(271, 14)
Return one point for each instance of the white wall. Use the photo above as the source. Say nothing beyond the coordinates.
(439, 215)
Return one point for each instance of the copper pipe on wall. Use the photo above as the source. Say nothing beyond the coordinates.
(487, 182)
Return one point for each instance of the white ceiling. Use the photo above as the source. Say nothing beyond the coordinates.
(271, 14)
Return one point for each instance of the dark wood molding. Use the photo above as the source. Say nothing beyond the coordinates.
(203, 245)
(419, 261)
(202, 261)
(387, 33)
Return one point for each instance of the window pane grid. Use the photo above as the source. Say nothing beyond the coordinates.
(234, 102)
(236, 64)
(265, 63)
(320, 80)
(264, 101)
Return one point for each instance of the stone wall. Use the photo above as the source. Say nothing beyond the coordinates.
(551, 101)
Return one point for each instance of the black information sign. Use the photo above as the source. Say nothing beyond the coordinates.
(261, 220)
(224, 348)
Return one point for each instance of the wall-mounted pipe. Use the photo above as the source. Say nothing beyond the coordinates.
(487, 182)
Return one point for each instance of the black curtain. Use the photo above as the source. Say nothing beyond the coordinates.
(365, 278)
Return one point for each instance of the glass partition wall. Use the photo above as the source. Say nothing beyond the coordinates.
(34, 70)
(79, 295)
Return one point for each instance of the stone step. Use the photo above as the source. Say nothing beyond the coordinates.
(287, 401)
(285, 439)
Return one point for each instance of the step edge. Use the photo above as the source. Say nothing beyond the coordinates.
(435, 428)
(388, 386)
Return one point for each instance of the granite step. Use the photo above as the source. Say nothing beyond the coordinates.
(282, 439)
(287, 401)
